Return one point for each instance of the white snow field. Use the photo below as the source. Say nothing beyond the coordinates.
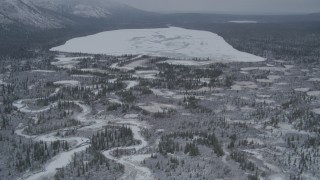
(172, 42)
(67, 83)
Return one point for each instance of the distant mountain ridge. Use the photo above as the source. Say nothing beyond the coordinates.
(50, 14)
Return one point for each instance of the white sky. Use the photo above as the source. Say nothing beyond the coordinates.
(229, 6)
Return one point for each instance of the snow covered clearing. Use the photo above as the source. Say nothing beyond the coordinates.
(247, 109)
(116, 101)
(154, 107)
(94, 70)
(171, 42)
(271, 79)
(218, 94)
(317, 111)
(302, 89)
(287, 128)
(202, 89)
(281, 84)
(166, 93)
(268, 68)
(67, 62)
(2, 82)
(239, 85)
(314, 79)
(265, 101)
(43, 71)
(131, 84)
(67, 83)
(25, 108)
(263, 96)
(189, 62)
(132, 65)
(82, 76)
(277, 177)
(313, 93)
(130, 116)
(148, 74)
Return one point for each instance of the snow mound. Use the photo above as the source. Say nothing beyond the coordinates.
(170, 42)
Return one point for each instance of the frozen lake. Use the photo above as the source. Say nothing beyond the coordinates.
(172, 42)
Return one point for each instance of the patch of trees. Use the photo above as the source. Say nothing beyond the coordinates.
(211, 140)
(191, 149)
(113, 107)
(168, 144)
(192, 103)
(179, 76)
(126, 96)
(244, 163)
(8, 97)
(88, 164)
(113, 136)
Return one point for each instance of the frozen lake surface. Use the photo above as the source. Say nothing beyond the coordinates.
(172, 42)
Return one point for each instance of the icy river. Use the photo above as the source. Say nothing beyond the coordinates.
(133, 169)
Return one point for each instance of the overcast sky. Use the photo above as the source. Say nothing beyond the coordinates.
(229, 6)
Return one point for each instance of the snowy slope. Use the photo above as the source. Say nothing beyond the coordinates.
(49, 14)
(20, 12)
(170, 42)
(80, 8)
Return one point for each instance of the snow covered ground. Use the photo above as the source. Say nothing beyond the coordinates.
(239, 85)
(268, 68)
(317, 111)
(313, 93)
(131, 84)
(302, 89)
(154, 107)
(22, 107)
(93, 70)
(271, 79)
(2, 82)
(166, 93)
(67, 83)
(67, 62)
(43, 71)
(314, 79)
(146, 74)
(171, 42)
